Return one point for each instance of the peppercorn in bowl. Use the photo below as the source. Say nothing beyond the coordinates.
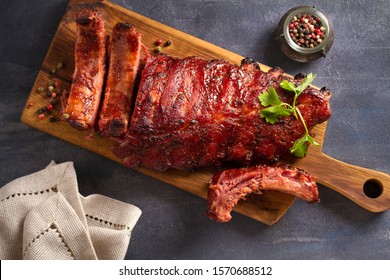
(305, 34)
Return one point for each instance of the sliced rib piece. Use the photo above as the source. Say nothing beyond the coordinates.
(124, 63)
(191, 113)
(90, 64)
(229, 186)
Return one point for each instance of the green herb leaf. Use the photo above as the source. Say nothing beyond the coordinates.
(299, 149)
(273, 113)
(276, 109)
(288, 85)
(299, 89)
(306, 82)
(269, 98)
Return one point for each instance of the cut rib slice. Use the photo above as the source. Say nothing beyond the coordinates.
(229, 186)
(82, 104)
(125, 49)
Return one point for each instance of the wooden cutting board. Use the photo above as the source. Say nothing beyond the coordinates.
(347, 179)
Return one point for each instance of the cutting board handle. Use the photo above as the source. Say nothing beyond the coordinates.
(368, 188)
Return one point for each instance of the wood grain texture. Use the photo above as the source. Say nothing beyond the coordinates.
(269, 207)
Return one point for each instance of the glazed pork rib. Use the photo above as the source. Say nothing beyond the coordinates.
(82, 105)
(229, 186)
(191, 112)
(125, 50)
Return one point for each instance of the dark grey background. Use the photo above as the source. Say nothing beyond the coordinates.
(174, 224)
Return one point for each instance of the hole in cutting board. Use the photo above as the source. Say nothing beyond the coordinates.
(372, 188)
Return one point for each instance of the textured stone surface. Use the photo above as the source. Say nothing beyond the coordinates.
(174, 224)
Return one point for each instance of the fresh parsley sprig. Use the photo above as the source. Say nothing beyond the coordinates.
(299, 149)
(276, 109)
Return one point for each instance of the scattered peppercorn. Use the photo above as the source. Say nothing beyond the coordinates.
(157, 49)
(158, 42)
(168, 43)
(41, 110)
(307, 31)
(57, 84)
(52, 91)
(60, 65)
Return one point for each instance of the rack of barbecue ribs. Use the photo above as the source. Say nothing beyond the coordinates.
(186, 113)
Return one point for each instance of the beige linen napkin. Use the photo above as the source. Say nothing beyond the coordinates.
(43, 216)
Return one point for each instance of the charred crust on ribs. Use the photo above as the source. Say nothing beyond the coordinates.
(248, 60)
(84, 20)
(124, 26)
(86, 16)
(299, 76)
(114, 128)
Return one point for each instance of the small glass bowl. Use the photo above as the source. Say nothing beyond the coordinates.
(298, 53)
